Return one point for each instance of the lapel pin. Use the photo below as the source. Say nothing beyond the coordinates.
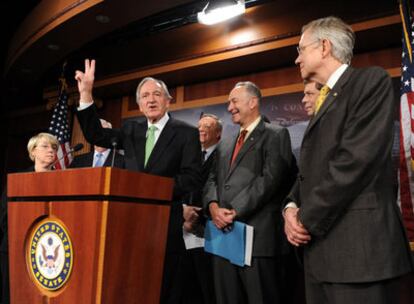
(335, 94)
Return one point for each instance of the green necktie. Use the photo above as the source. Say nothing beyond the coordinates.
(149, 144)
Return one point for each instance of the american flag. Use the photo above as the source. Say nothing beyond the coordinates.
(59, 127)
(406, 165)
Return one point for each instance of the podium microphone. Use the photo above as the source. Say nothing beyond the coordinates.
(114, 142)
(75, 148)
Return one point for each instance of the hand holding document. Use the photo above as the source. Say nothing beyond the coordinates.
(234, 245)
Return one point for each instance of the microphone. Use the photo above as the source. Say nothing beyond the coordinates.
(114, 142)
(75, 148)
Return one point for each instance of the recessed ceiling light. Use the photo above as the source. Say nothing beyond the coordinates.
(53, 47)
(26, 70)
(102, 19)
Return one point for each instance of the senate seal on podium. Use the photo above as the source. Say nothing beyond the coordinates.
(50, 254)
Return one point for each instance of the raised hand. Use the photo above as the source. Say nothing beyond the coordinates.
(85, 81)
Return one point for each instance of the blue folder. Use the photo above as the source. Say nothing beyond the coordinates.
(229, 245)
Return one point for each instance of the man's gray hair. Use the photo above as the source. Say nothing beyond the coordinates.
(251, 88)
(158, 81)
(219, 123)
(339, 33)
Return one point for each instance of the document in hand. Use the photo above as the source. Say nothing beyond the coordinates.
(235, 245)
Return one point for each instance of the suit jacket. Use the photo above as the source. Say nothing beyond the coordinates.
(86, 160)
(256, 184)
(176, 154)
(346, 184)
(197, 196)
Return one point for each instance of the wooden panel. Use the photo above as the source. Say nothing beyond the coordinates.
(141, 230)
(83, 222)
(264, 80)
(140, 185)
(111, 111)
(44, 18)
(90, 181)
(22, 289)
(77, 137)
(83, 228)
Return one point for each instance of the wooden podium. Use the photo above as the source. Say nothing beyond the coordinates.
(117, 223)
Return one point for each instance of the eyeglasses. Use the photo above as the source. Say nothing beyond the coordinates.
(301, 49)
(46, 146)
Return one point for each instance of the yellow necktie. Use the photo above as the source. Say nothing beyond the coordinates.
(321, 98)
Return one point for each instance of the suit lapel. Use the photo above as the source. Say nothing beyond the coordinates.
(248, 144)
(332, 97)
(227, 147)
(108, 160)
(139, 142)
(163, 141)
(89, 158)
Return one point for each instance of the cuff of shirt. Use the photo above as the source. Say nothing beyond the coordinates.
(289, 205)
(84, 105)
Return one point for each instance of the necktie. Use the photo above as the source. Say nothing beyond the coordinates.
(99, 160)
(321, 98)
(203, 156)
(149, 144)
(239, 144)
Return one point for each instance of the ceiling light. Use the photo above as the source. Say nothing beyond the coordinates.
(102, 19)
(53, 47)
(220, 10)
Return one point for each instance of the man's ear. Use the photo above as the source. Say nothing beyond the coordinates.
(253, 102)
(326, 47)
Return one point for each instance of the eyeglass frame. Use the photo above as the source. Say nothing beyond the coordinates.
(301, 49)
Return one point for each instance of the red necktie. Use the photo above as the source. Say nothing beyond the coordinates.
(239, 144)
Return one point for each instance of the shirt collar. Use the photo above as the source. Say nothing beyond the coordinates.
(104, 153)
(209, 150)
(251, 127)
(160, 124)
(333, 79)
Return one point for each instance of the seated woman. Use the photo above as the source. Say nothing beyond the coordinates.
(42, 149)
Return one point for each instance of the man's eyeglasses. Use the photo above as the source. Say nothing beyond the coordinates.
(302, 48)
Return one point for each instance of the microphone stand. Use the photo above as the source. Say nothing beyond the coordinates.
(114, 144)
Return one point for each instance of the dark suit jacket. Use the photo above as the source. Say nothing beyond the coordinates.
(256, 184)
(197, 196)
(177, 154)
(345, 188)
(86, 160)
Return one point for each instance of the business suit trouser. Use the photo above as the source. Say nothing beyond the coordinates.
(256, 284)
(380, 292)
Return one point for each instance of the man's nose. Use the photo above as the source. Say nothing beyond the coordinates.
(297, 60)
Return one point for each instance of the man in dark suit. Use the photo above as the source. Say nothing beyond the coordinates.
(310, 94)
(100, 156)
(199, 275)
(344, 209)
(161, 146)
(252, 174)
